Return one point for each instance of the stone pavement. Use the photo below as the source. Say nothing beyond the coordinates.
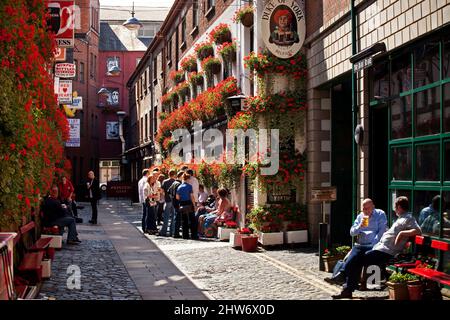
(117, 261)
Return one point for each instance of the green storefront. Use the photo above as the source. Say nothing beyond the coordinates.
(410, 131)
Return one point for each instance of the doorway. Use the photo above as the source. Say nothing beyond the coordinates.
(341, 161)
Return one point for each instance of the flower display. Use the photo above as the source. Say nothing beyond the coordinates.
(244, 231)
(195, 78)
(183, 90)
(177, 76)
(189, 63)
(269, 218)
(227, 50)
(242, 13)
(220, 34)
(283, 102)
(230, 224)
(33, 127)
(268, 63)
(204, 50)
(206, 106)
(243, 120)
(211, 66)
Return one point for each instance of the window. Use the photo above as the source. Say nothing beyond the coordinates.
(183, 32)
(155, 69)
(146, 127)
(91, 66)
(94, 19)
(81, 72)
(145, 84)
(427, 162)
(142, 129)
(147, 31)
(194, 14)
(427, 111)
(155, 120)
(401, 163)
(210, 4)
(75, 62)
(95, 67)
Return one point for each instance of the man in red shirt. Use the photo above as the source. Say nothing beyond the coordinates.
(66, 192)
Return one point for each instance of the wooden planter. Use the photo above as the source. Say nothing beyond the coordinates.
(296, 236)
(235, 239)
(330, 262)
(224, 233)
(271, 238)
(247, 20)
(398, 291)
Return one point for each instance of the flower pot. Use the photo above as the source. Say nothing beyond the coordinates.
(330, 262)
(297, 236)
(205, 53)
(224, 233)
(249, 243)
(247, 19)
(271, 238)
(415, 291)
(398, 291)
(225, 37)
(235, 239)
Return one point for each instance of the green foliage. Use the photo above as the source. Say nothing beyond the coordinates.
(397, 277)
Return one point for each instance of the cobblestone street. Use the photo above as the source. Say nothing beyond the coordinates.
(118, 262)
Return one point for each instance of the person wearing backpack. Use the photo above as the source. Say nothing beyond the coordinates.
(169, 211)
(172, 191)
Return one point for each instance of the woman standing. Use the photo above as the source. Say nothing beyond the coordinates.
(151, 195)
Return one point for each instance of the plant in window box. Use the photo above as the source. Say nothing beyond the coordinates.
(189, 63)
(296, 232)
(271, 234)
(177, 76)
(227, 50)
(225, 229)
(220, 34)
(211, 66)
(244, 15)
(166, 100)
(204, 50)
(183, 90)
(243, 120)
(196, 79)
(236, 236)
(163, 115)
(173, 95)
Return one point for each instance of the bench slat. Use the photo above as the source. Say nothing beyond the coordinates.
(432, 274)
(41, 244)
(31, 261)
(440, 245)
(29, 226)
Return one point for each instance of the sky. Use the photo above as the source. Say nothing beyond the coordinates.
(146, 3)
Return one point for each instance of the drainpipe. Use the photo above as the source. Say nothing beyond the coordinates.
(121, 115)
(354, 113)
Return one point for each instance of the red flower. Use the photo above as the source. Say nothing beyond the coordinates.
(12, 146)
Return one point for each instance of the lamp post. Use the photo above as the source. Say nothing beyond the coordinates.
(235, 105)
(132, 23)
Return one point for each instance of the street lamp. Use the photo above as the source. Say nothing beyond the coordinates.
(235, 104)
(132, 23)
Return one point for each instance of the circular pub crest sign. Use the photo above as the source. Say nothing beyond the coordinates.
(283, 27)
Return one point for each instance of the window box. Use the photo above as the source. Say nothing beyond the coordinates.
(224, 233)
(235, 239)
(271, 238)
(296, 236)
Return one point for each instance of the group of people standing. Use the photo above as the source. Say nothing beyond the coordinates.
(183, 204)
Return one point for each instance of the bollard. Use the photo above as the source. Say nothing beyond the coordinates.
(323, 243)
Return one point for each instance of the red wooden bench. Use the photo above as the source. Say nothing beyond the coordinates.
(433, 274)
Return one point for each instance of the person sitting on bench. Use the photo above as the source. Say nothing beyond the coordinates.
(56, 213)
(391, 243)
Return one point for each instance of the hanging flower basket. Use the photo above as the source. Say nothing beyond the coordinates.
(211, 65)
(189, 63)
(220, 34)
(204, 50)
(196, 79)
(177, 76)
(244, 15)
(228, 51)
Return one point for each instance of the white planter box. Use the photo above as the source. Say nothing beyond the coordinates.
(56, 241)
(224, 233)
(235, 239)
(297, 236)
(46, 268)
(271, 238)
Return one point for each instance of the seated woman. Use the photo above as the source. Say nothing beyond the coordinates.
(209, 222)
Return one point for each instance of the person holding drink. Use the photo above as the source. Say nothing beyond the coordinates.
(368, 228)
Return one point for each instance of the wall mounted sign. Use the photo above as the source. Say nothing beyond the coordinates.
(65, 70)
(363, 64)
(283, 27)
(74, 133)
(65, 92)
(60, 54)
(323, 194)
(61, 21)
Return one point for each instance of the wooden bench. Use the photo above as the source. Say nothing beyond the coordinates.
(33, 253)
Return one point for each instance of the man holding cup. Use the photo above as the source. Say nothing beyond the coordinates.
(368, 228)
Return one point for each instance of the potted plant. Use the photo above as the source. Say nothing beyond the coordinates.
(227, 51)
(182, 90)
(415, 288)
(271, 235)
(236, 236)
(189, 63)
(331, 257)
(249, 240)
(397, 285)
(177, 76)
(211, 65)
(220, 34)
(196, 79)
(204, 50)
(225, 229)
(244, 15)
(296, 232)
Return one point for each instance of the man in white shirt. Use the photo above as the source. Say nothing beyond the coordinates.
(193, 181)
(141, 185)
